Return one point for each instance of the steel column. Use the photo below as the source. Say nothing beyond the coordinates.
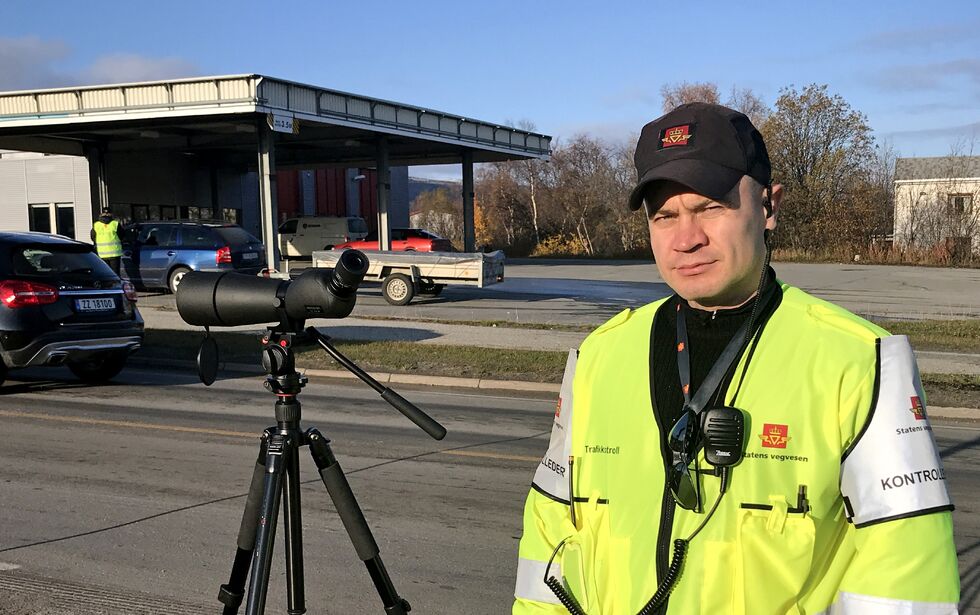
(267, 193)
(469, 229)
(98, 179)
(384, 192)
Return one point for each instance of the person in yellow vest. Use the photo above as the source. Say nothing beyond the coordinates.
(740, 446)
(105, 234)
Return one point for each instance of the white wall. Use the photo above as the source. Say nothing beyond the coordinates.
(27, 177)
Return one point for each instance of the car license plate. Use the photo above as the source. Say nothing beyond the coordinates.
(249, 256)
(95, 305)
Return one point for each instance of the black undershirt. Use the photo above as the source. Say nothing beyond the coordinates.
(708, 334)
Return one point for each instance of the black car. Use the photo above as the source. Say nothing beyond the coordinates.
(158, 254)
(60, 304)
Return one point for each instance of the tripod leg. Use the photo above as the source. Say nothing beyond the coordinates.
(354, 522)
(275, 461)
(294, 534)
(231, 593)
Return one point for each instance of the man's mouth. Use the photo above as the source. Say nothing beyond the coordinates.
(693, 268)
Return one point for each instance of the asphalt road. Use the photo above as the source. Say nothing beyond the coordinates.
(590, 292)
(115, 506)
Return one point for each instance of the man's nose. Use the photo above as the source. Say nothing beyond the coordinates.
(690, 234)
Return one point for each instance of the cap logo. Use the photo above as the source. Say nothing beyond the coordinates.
(676, 136)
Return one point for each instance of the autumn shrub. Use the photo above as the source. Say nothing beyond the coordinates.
(559, 245)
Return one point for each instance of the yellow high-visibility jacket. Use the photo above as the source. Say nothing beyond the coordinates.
(833, 404)
(107, 242)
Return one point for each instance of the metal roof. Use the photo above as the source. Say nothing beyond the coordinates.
(215, 114)
(938, 167)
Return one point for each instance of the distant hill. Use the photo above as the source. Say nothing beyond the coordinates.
(418, 185)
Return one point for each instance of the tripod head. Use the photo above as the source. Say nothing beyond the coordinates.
(279, 362)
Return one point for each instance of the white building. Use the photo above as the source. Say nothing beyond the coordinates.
(50, 194)
(936, 203)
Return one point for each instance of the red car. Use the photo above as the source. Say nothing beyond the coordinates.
(403, 239)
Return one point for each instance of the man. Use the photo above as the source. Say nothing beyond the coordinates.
(741, 446)
(105, 234)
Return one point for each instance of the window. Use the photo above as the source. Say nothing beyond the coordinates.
(55, 259)
(52, 218)
(141, 213)
(959, 204)
(235, 235)
(65, 219)
(357, 225)
(288, 227)
(156, 235)
(197, 237)
(40, 215)
(197, 213)
(230, 215)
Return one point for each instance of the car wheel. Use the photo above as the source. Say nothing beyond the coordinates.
(175, 277)
(398, 289)
(409, 250)
(3, 372)
(99, 368)
(430, 289)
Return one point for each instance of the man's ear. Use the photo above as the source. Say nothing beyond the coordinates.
(774, 192)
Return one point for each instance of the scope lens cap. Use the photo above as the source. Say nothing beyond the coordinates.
(207, 361)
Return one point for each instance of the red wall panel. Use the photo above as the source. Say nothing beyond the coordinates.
(288, 197)
(331, 192)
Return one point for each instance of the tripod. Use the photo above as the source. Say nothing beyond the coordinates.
(275, 479)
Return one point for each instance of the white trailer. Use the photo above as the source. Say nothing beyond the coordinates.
(406, 274)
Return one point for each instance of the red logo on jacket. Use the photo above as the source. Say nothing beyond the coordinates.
(774, 436)
(918, 409)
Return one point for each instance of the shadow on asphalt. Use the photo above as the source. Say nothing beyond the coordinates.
(41, 380)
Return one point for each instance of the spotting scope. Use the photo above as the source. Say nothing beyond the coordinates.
(228, 299)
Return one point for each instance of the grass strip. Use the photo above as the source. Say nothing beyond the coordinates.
(509, 324)
(399, 357)
(942, 335)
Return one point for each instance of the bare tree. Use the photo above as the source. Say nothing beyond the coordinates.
(630, 226)
(676, 94)
(531, 172)
(440, 212)
(749, 103)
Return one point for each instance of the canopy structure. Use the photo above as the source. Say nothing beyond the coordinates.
(260, 123)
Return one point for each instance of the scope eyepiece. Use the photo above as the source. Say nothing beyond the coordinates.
(349, 272)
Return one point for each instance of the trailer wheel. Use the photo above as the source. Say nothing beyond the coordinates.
(398, 289)
(430, 289)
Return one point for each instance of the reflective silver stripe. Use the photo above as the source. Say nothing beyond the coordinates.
(552, 473)
(858, 604)
(88, 293)
(894, 470)
(530, 581)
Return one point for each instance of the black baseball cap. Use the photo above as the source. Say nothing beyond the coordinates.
(706, 147)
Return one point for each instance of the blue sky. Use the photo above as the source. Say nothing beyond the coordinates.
(568, 67)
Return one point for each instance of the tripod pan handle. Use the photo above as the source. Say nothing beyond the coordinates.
(428, 424)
